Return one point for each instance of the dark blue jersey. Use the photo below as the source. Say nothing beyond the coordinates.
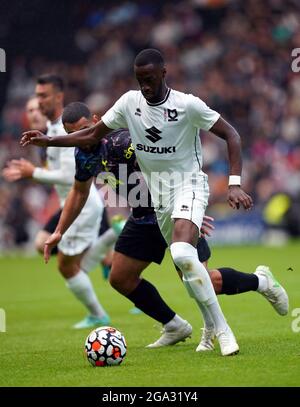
(113, 161)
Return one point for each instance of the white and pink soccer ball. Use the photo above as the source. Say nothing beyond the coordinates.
(105, 346)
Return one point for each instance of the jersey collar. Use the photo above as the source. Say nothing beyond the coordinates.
(162, 101)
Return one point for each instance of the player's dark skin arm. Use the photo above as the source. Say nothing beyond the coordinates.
(84, 138)
(75, 201)
(225, 131)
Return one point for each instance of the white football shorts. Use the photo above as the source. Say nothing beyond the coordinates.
(188, 202)
(84, 231)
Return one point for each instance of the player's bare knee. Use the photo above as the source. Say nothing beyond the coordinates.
(124, 283)
(185, 231)
(114, 280)
(67, 267)
(117, 281)
(67, 271)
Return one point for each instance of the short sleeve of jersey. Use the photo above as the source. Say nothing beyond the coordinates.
(115, 118)
(199, 114)
(82, 174)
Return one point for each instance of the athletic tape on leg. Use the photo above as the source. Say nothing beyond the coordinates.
(195, 277)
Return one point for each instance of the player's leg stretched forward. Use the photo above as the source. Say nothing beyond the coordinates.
(229, 281)
(81, 287)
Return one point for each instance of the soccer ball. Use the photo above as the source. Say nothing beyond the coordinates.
(105, 346)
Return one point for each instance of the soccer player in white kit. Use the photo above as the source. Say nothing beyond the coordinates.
(164, 126)
(60, 172)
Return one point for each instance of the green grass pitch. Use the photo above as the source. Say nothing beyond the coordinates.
(40, 349)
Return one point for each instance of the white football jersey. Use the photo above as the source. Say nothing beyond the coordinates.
(165, 136)
(62, 160)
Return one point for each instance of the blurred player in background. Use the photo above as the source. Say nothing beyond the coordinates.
(141, 241)
(18, 169)
(60, 173)
(36, 120)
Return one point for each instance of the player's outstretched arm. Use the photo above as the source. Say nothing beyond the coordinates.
(83, 138)
(75, 201)
(236, 195)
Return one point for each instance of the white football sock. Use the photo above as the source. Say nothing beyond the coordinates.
(262, 283)
(98, 250)
(197, 281)
(217, 315)
(82, 288)
(207, 319)
(175, 323)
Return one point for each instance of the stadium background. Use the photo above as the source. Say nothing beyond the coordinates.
(236, 55)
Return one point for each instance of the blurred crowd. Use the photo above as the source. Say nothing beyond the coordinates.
(235, 55)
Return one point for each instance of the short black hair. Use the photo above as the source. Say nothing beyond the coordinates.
(75, 111)
(53, 79)
(149, 56)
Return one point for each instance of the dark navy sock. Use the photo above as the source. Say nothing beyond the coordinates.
(146, 297)
(235, 282)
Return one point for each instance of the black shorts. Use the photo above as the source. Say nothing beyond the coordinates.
(145, 242)
(52, 222)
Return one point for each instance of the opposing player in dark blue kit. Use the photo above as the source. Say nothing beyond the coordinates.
(141, 242)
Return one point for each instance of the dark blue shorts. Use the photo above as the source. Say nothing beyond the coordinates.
(145, 242)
